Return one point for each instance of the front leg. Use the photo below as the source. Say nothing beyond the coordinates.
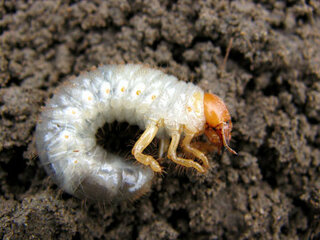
(172, 154)
(144, 140)
(206, 147)
(186, 144)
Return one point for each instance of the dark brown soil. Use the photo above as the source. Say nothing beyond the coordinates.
(271, 83)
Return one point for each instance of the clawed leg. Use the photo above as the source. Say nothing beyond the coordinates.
(186, 144)
(144, 140)
(172, 154)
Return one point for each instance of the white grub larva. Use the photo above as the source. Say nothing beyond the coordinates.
(158, 103)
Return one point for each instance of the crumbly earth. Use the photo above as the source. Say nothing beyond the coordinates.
(271, 83)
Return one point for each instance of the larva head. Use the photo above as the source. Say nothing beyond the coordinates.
(218, 121)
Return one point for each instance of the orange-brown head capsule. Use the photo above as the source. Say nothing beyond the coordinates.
(218, 121)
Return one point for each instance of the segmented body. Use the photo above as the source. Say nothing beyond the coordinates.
(65, 134)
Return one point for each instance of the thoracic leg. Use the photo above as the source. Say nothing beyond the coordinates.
(205, 147)
(145, 139)
(164, 144)
(197, 153)
(184, 162)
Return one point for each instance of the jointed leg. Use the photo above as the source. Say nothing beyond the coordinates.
(205, 147)
(197, 153)
(144, 140)
(164, 145)
(184, 162)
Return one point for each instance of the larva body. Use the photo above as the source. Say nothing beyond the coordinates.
(158, 103)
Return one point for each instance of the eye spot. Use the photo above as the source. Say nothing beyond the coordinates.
(87, 96)
(107, 91)
(197, 101)
(189, 109)
(123, 89)
(75, 150)
(138, 92)
(66, 136)
(153, 97)
(75, 161)
(73, 112)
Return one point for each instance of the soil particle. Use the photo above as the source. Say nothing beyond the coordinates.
(270, 82)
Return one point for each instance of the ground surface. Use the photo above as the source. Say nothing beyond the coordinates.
(271, 190)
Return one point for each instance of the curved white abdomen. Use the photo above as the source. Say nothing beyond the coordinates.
(65, 135)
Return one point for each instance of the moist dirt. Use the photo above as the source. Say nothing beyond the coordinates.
(270, 82)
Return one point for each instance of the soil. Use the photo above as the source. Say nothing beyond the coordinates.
(270, 82)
